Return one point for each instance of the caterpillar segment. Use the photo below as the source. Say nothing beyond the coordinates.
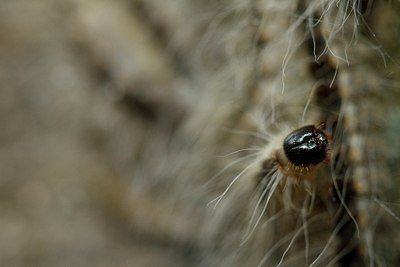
(339, 92)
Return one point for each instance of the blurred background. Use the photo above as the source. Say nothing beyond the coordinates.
(69, 132)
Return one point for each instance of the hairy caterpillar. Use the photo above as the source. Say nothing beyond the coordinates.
(254, 73)
(341, 194)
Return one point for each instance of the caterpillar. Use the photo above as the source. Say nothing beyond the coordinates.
(341, 194)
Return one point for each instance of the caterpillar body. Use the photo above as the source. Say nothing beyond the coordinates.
(310, 209)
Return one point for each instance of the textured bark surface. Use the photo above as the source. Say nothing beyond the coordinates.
(123, 120)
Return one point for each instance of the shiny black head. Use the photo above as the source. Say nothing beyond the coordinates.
(306, 146)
